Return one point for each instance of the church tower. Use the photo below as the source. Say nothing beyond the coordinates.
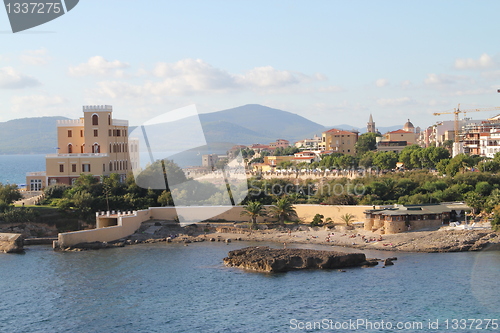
(370, 127)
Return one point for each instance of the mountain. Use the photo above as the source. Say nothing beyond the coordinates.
(263, 125)
(29, 135)
(247, 124)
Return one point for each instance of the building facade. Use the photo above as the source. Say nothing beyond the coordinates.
(95, 144)
(339, 141)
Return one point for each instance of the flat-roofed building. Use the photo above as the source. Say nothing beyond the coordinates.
(95, 144)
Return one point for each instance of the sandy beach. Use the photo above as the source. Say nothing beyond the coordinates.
(445, 239)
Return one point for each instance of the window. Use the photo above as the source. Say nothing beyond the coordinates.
(103, 167)
(35, 184)
(73, 167)
(70, 148)
(96, 149)
(109, 133)
(95, 119)
(81, 133)
(118, 132)
(96, 133)
(109, 120)
(61, 167)
(70, 133)
(85, 167)
(81, 149)
(110, 166)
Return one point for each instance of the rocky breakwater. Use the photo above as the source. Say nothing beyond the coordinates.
(265, 259)
(11, 243)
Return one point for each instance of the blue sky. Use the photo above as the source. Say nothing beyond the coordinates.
(332, 62)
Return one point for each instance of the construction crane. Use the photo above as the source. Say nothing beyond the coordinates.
(457, 111)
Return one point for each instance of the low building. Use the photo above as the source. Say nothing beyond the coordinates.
(309, 144)
(394, 146)
(280, 143)
(339, 141)
(306, 156)
(209, 160)
(401, 218)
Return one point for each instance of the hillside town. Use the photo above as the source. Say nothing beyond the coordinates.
(479, 138)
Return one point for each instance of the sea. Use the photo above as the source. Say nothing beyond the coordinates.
(165, 287)
(13, 168)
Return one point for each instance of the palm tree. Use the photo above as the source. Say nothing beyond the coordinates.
(347, 218)
(283, 210)
(254, 209)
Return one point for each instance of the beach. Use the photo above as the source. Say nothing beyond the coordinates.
(445, 239)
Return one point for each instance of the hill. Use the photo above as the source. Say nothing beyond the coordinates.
(28, 135)
(247, 124)
(263, 125)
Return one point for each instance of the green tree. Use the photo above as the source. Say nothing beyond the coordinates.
(385, 160)
(461, 162)
(165, 199)
(283, 210)
(366, 142)
(9, 193)
(405, 156)
(347, 218)
(254, 209)
(366, 160)
(317, 220)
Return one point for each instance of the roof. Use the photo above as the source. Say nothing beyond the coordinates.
(400, 131)
(424, 209)
(337, 131)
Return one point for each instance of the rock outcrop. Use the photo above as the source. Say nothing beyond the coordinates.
(11, 243)
(265, 259)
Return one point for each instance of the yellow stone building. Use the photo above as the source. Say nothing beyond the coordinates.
(95, 144)
(339, 141)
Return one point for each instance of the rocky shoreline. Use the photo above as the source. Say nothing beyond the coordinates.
(438, 240)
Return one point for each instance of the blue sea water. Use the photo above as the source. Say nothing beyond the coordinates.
(13, 168)
(174, 288)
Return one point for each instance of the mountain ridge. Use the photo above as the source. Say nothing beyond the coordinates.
(246, 124)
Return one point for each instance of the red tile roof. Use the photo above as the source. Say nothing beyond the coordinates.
(337, 131)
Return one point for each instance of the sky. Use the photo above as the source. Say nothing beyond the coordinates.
(332, 62)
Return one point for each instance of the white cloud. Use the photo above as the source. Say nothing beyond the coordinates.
(99, 66)
(12, 79)
(381, 82)
(118, 89)
(35, 57)
(484, 61)
(190, 76)
(37, 105)
(266, 77)
(395, 101)
(331, 89)
(445, 79)
(479, 91)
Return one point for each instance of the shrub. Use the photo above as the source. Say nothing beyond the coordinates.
(317, 220)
